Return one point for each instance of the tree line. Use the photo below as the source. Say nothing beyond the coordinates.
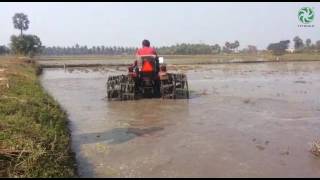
(31, 45)
(85, 50)
(178, 49)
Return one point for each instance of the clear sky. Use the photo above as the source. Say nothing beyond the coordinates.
(127, 24)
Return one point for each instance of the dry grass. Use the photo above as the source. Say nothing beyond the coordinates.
(315, 149)
(3, 77)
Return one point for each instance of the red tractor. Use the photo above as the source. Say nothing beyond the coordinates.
(147, 79)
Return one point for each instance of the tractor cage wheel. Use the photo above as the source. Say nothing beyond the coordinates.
(175, 86)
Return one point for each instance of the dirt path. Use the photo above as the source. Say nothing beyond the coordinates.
(3, 79)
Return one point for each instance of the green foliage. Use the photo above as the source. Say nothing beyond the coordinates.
(21, 22)
(180, 49)
(190, 49)
(26, 45)
(230, 47)
(317, 45)
(85, 50)
(298, 43)
(4, 50)
(308, 43)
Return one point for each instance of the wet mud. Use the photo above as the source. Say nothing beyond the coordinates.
(242, 120)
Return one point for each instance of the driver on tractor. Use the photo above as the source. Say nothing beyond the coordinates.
(147, 63)
(145, 51)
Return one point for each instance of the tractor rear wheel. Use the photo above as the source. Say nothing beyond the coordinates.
(120, 87)
(174, 86)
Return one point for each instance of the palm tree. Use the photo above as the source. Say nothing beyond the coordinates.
(308, 42)
(298, 43)
(20, 21)
(236, 44)
(227, 44)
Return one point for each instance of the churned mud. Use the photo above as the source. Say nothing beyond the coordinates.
(242, 120)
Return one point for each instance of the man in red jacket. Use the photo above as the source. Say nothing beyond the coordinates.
(148, 66)
(146, 50)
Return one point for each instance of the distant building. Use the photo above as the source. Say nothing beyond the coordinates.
(290, 50)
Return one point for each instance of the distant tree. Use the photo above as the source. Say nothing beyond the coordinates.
(94, 49)
(121, 50)
(68, 51)
(4, 50)
(90, 51)
(98, 50)
(308, 43)
(226, 50)
(77, 49)
(318, 45)
(103, 49)
(227, 45)
(236, 44)
(27, 45)
(85, 48)
(178, 49)
(298, 43)
(231, 47)
(21, 22)
(216, 49)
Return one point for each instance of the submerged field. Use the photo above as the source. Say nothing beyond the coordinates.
(243, 120)
(60, 61)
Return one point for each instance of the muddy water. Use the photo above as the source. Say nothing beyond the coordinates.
(243, 120)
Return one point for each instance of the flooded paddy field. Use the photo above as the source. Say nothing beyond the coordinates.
(242, 120)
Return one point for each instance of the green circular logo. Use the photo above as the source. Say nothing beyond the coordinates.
(306, 15)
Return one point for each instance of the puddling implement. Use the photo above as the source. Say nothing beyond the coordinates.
(148, 80)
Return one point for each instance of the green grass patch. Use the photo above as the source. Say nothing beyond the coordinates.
(34, 135)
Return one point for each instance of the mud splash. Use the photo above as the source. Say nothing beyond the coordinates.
(243, 120)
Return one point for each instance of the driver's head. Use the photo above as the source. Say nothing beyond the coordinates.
(146, 43)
